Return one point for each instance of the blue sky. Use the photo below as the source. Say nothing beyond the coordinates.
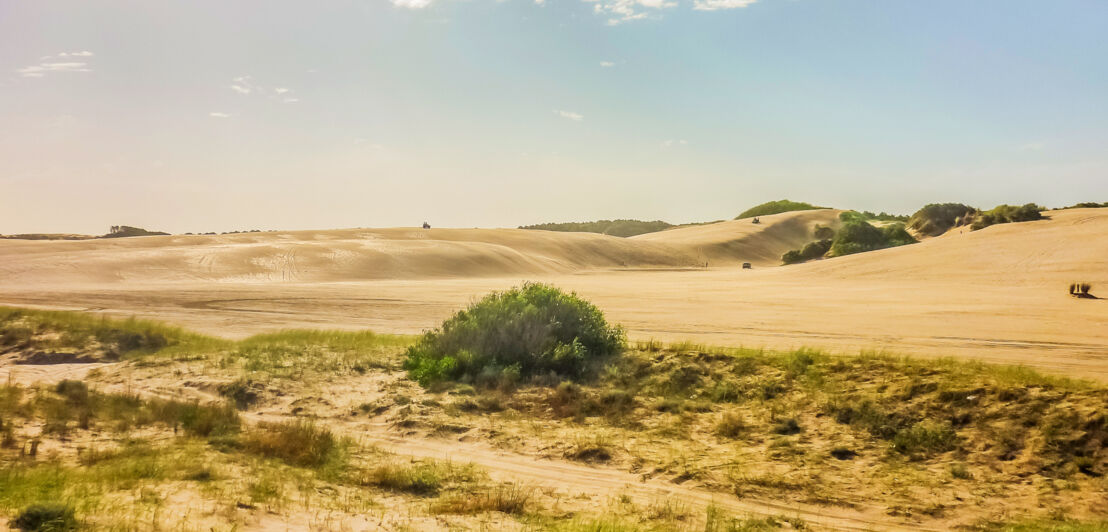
(215, 115)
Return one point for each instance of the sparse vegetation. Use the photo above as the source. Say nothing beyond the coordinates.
(760, 424)
(621, 228)
(531, 330)
(777, 207)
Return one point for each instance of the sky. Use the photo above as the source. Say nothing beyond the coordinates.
(216, 115)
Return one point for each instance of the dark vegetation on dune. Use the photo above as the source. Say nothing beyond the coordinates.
(855, 235)
(937, 218)
(1087, 205)
(124, 231)
(530, 331)
(621, 228)
(1002, 214)
(776, 207)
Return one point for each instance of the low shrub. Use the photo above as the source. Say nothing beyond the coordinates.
(534, 329)
(45, 517)
(294, 442)
(731, 425)
(1080, 289)
(787, 427)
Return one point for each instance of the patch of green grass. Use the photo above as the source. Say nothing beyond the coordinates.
(61, 330)
(70, 404)
(282, 354)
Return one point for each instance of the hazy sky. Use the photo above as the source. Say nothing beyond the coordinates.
(239, 114)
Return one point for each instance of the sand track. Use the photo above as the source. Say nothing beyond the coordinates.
(572, 479)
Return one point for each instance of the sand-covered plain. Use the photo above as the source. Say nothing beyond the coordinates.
(998, 295)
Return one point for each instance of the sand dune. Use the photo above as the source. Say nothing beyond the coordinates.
(997, 295)
(736, 241)
(400, 253)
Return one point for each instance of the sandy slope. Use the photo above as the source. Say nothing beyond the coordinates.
(998, 294)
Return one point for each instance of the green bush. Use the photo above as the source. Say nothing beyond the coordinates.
(858, 236)
(936, 218)
(776, 207)
(529, 330)
(47, 517)
(1002, 214)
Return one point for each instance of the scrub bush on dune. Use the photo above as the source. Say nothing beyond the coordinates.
(534, 329)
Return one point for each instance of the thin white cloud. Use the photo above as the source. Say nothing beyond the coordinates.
(620, 11)
(570, 115)
(540, 2)
(41, 69)
(674, 142)
(60, 62)
(607, 64)
(216, 114)
(245, 85)
(411, 4)
(714, 5)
